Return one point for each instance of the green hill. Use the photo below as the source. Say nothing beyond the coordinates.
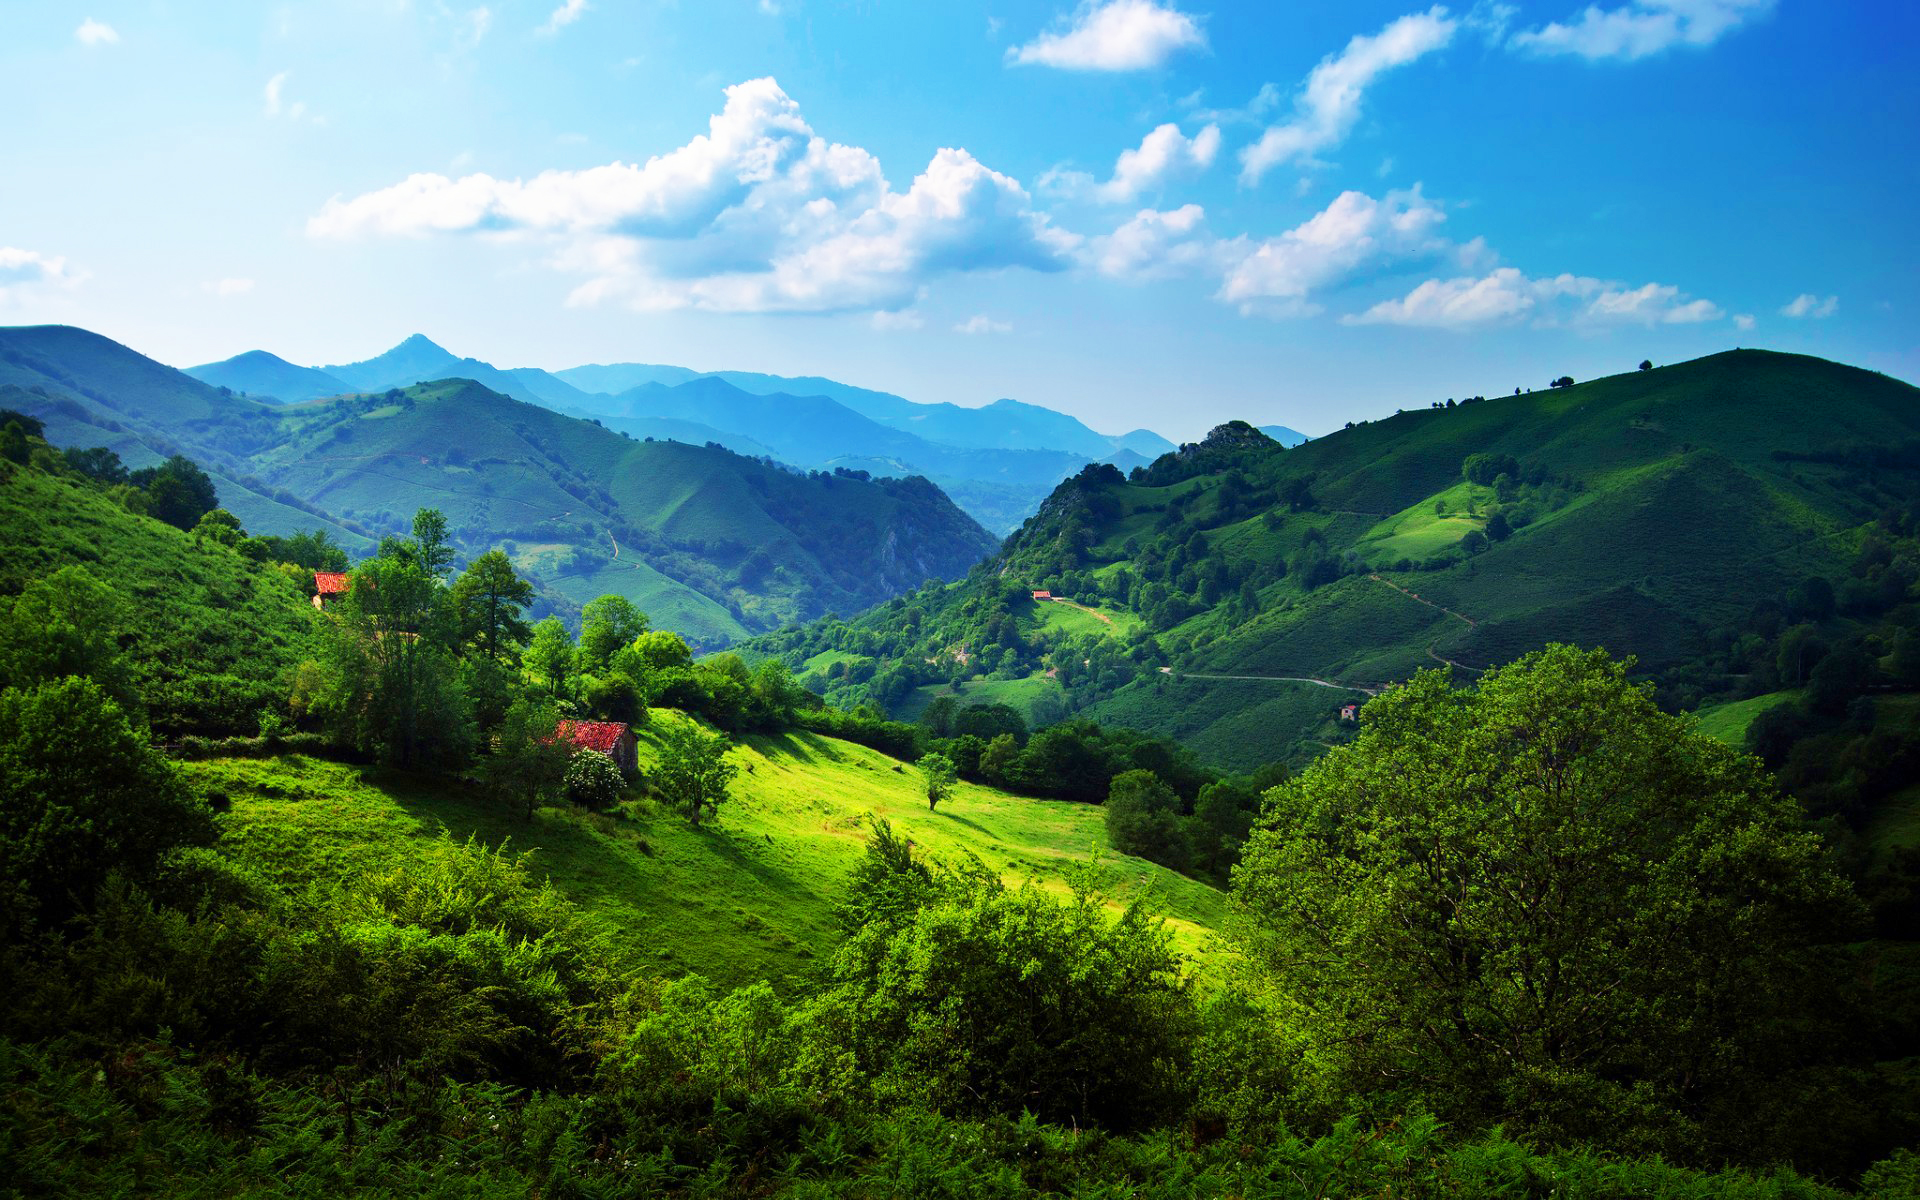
(751, 898)
(208, 637)
(1646, 513)
(721, 544)
(258, 373)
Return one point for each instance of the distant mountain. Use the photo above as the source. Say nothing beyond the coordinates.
(1283, 435)
(712, 543)
(1672, 514)
(420, 360)
(261, 376)
(611, 378)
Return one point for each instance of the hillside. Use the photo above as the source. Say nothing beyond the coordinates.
(710, 542)
(751, 898)
(209, 637)
(1645, 512)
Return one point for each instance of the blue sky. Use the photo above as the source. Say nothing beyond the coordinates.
(1143, 212)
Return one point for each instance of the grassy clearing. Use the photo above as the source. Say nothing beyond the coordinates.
(1067, 618)
(1019, 694)
(751, 898)
(1728, 722)
(1420, 531)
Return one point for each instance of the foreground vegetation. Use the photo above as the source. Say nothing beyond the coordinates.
(397, 932)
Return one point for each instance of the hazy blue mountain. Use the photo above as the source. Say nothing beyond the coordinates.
(1283, 435)
(420, 360)
(611, 378)
(1144, 442)
(266, 376)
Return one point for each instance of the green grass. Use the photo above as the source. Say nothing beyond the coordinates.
(1728, 723)
(1018, 694)
(1419, 532)
(750, 898)
(1065, 618)
(668, 603)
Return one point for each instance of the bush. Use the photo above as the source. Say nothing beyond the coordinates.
(593, 781)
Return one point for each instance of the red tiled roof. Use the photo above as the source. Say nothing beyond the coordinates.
(331, 583)
(592, 735)
(1043, 595)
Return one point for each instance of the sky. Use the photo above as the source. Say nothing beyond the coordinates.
(1159, 213)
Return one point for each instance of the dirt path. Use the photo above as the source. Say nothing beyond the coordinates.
(1095, 613)
(1431, 653)
(1335, 684)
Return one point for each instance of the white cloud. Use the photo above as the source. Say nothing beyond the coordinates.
(271, 93)
(1252, 112)
(888, 322)
(1354, 235)
(568, 12)
(1807, 306)
(1507, 295)
(29, 275)
(1161, 155)
(1641, 28)
(1743, 322)
(981, 323)
(756, 215)
(96, 33)
(1158, 245)
(1329, 104)
(1114, 35)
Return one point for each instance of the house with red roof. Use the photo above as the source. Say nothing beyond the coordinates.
(330, 585)
(615, 739)
(1043, 595)
(1349, 712)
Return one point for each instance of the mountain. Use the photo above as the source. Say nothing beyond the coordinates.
(1283, 435)
(1660, 513)
(420, 360)
(610, 378)
(268, 376)
(713, 543)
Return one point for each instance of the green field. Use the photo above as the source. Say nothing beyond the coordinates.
(1018, 694)
(749, 898)
(668, 603)
(1066, 618)
(1420, 532)
(1728, 722)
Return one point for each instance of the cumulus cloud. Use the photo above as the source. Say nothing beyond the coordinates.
(1161, 155)
(1743, 322)
(1157, 245)
(1329, 104)
(981, 323)
(1114, 35)
(96, 33)
(1353, 236)
(228, 287)
(756, 215)
(888, 322)
(29, 275)
(1807, 306)
(565, 15)
(1640, 28)
(1507, 295)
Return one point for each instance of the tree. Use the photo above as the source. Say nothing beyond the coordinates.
(488, 600)
(774, 696)
(14, 446)
(385, 680)
(938, 771)
(1143, 818)
(430, 545)
(221, 526)
(1545, 903)
(178, 491)
(97, 463)
(1565, 381)
(82, 794)
(1499, 529)
(1000, 761)
(68, 623)
(693, 773)
(550, 654)
(607, 624)
(528, 764)
(1646, 364)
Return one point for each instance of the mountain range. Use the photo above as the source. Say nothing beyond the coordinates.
(1236, 593)
(713, 543)
(996, 461)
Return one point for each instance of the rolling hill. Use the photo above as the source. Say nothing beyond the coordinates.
(710, 541)
(268, 376)
(1647, 513)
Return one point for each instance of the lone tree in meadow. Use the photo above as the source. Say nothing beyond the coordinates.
(693, 773)
(938, 770)
(1545, 903)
